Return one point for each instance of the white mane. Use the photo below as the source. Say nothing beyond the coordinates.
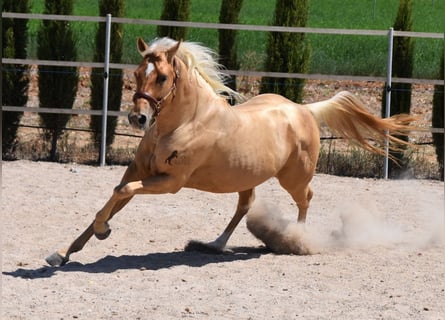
(203, 60)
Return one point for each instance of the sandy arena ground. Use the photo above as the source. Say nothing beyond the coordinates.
(388, 263)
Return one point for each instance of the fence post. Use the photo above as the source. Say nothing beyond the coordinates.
(103, 142)
(388, 96)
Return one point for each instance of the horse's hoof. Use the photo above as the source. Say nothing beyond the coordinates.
(102, 236)
(56, 260)
(199, 246)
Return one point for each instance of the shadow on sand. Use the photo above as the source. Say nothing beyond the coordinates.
(151, 261)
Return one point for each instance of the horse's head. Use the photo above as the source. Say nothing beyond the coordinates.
(156, 79)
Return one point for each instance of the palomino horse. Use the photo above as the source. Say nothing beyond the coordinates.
(195, 139)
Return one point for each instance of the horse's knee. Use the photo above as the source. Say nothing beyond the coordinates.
(122, 191)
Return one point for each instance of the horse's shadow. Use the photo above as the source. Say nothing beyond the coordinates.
(151, 261)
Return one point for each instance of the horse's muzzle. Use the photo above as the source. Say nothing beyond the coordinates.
(138, 121)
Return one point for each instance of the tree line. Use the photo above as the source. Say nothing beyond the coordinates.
(286, 52)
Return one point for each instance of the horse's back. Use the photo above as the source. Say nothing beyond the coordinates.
(266, 100)
(281, 111)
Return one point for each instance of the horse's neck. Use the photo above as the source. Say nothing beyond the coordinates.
(206, 96)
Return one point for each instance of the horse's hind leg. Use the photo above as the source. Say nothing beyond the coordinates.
(302, 198)
(302, 195)
(245, 201)
(298, 187)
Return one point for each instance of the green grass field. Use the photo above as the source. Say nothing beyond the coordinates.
(331, 54)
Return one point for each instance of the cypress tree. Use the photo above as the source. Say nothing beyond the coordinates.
(229, 13)
(57, 85)
(287, 52)
(14, 77)
(174, 10)
(117, 9)
(402, 67)
(1, 98)
(437, 121)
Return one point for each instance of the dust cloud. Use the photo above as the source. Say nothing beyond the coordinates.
(359, 225)
(363, 226)
(280, 235)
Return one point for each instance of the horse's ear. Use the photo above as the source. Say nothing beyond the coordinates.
(172, 51)
(142, 47)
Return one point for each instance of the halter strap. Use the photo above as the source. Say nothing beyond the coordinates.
(156, 104)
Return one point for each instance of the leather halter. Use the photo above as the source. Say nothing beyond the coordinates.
(156, 104)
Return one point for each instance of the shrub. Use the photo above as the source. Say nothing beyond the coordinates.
(287, 52)
(229, 13)
(403, 68)
(174, 10)
(14, 79)
(348, 160)
(437, 121)
(57, 85)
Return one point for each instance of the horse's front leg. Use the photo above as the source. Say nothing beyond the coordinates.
(157, 184)
(61, 257)
(100, 225)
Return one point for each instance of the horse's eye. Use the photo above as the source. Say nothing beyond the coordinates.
(161, 78)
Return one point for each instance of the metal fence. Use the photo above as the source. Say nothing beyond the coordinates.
(390, 34)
